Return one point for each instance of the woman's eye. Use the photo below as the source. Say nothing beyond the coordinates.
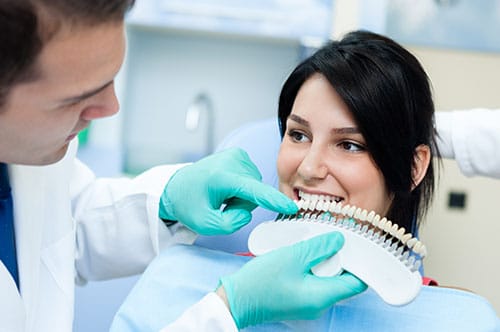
(297, 136)
(353, 147)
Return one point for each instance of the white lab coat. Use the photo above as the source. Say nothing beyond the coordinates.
(472, 137)
(70, 226)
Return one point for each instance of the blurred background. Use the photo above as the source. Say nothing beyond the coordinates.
(197, 69)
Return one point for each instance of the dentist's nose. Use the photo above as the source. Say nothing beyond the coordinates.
(102, 105)
(313, 165)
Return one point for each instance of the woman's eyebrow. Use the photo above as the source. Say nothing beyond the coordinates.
(299, 120)
(338, 131)
(346, 130)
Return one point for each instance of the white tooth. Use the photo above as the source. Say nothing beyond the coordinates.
(301, 194)
(382, 223)
(417, 246)
(306, 204)
(357, 214)
(299, 204)
(322, 198)
(319, 205)
(394, 229)
(333, 206)
(338, 207)
(363, 215)
(345, 209)
(376, 220)
(411, 242)
(405, 238)
(315, 197)
(387, 227)
(351, 211)
(400, 233)
(307, 197)
(312, 205)
(370, 216)
(326, 206)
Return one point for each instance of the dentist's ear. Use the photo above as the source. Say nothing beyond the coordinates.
(420, 164)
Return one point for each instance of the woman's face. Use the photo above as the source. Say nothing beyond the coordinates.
(323, 152)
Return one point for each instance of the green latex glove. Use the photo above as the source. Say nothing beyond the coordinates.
(280, 285)
(195, 194)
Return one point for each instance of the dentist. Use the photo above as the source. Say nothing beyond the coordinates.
(59, 224)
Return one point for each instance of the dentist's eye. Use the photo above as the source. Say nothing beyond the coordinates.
(352, 147)
(297, 136)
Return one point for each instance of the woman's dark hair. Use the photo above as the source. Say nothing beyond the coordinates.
(389, 94)
(26, 25)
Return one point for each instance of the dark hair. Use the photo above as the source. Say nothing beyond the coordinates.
(389, 94)
(26, 25)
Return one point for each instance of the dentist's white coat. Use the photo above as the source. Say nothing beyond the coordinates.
(472, 137)
(71, 226)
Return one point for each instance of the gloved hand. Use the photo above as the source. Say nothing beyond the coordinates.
(280, 285)
(194, 195)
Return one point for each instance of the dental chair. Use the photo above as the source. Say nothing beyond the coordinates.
(182, 275)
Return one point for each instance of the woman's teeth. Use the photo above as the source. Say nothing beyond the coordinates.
(316, 198)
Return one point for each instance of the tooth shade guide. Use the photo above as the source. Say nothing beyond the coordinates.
(325, 209)
(377, 258)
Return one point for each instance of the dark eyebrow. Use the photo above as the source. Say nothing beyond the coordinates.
(85, 95)
(299, 120)
(346, 130)
(338, 131)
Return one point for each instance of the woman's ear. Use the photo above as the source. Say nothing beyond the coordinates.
(420, 164)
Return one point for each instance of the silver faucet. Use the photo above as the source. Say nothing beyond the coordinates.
(202, 103)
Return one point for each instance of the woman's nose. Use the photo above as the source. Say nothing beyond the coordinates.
(313, 166)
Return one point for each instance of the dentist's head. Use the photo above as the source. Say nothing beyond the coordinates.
(58, 61)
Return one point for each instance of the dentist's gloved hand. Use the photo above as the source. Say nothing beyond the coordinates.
(280, 285)
(194, 195)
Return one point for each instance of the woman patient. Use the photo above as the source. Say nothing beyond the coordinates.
(356, 120)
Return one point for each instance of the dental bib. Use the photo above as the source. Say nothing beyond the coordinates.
(375, 250)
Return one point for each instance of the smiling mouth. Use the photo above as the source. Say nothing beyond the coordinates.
(315, 197)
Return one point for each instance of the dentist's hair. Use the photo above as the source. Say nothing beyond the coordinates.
(27, 25)
(389, 95)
